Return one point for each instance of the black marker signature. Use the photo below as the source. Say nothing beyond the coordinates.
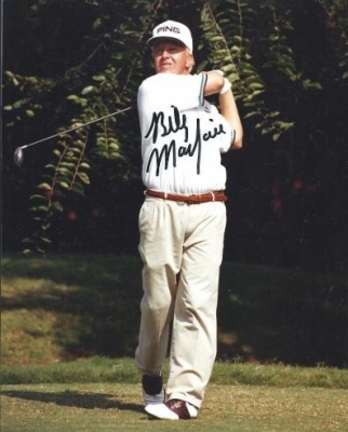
(174, 124)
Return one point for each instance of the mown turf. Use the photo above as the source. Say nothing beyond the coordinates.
(118, 407)
(104, 370)
(69, 329)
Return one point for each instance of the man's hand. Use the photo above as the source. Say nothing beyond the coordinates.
(218, 84)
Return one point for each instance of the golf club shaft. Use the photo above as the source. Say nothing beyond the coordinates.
(76, 127)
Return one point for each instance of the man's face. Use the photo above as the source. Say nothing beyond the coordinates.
(171, 56)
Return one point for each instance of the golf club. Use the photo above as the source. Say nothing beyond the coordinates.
(18, 154)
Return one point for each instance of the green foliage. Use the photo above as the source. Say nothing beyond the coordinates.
(234, 31)
(336, 21)
(98, 70)
(109, 76)
(22, 100)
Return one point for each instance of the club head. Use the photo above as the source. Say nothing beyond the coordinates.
(18, 157)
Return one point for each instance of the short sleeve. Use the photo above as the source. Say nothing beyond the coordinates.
(162, 90)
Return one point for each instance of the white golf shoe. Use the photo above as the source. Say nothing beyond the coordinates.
(174, 409)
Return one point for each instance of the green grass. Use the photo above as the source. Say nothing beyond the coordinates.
(69, 329)
(104, 370)
(118, 407)
(66, 307)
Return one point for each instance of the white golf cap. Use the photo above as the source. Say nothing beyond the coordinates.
(172, 30)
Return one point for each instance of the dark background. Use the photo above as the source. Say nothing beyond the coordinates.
(288, 200)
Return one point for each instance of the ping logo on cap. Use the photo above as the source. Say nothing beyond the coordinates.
(173, 30)
(169, 29)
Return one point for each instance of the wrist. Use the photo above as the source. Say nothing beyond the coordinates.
(226, 87)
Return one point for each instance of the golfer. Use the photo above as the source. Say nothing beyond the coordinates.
(182, 221)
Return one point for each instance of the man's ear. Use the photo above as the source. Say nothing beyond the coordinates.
(190, 62)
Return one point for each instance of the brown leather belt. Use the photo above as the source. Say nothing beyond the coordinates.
(189, 199)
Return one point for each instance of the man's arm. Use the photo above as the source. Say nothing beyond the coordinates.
(214, 83)
(229, 110)
(217, 84)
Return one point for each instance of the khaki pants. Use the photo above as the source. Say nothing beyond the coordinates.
(181, 246)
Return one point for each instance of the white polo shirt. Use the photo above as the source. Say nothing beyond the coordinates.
(182, 135)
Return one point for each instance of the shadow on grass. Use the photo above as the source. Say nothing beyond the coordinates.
(280, 315)
(95, 301)
(75, 399)
(265, 314)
